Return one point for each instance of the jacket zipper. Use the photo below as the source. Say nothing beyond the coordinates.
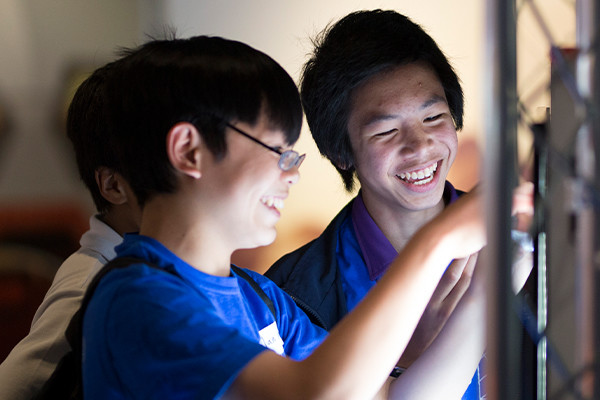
(312, 313)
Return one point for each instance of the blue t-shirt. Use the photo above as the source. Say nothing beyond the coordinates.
(364, 254)
(149, 333)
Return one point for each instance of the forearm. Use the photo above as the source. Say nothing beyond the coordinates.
(358, 355)
(452, 358)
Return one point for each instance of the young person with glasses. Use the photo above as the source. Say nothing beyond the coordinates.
(179, 321)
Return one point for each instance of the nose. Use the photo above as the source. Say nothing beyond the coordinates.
(292, 176)
(415, 140)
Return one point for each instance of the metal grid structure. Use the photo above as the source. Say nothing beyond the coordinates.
(562, 319)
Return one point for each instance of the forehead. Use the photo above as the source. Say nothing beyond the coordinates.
(400, 89)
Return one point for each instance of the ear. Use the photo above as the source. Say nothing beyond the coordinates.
(183, 149)
(111, 185)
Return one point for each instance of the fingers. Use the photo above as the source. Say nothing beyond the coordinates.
(451, 288)
(452, 276)
(478, 282)
(458, 290)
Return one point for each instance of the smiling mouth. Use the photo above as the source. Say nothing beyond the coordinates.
(419, 177)
(274, 202)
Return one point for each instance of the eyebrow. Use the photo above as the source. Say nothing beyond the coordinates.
(433, 100)
(375, 118)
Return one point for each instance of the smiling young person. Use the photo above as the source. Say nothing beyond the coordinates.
(383, 105)
(202, 130)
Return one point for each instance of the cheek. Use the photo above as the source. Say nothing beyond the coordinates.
(374, 160)
(453, 145)
(449, 139)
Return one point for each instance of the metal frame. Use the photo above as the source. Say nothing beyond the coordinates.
(578, 207)
(502, 357)
(588, 173)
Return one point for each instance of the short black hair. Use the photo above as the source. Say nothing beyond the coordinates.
(204, 80)
(85, 127)
(346, 54)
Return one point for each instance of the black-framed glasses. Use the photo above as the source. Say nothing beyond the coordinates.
(287, 159)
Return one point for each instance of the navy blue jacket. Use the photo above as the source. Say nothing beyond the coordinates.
(310, 275)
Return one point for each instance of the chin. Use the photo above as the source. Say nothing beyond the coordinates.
(265, 238)
(270, 240)
(426, 203)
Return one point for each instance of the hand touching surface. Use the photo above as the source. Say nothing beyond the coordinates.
(448, 293)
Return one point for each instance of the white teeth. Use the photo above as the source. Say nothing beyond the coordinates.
(424, 176)
(424, 181)
(273, 202)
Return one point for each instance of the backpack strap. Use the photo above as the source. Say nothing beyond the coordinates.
(244, 275)
(75, 328)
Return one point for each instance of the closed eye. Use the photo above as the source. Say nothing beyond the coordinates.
(434, 118)
(381, 134)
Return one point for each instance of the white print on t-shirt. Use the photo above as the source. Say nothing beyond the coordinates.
(270, 338)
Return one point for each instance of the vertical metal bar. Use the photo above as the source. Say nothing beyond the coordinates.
(540, 266)
(586, 171)
(542, 315)
(500, 177)
(563, 195)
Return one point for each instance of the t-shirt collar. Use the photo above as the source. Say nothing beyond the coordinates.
(377, 250)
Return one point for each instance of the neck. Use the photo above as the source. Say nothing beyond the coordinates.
(188, 233)
(121, 218)
(400, 224)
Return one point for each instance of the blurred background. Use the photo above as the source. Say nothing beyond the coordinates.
(48, 47)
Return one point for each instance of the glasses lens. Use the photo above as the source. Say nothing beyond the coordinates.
(290, 159)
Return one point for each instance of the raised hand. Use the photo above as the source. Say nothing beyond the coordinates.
(448, 293)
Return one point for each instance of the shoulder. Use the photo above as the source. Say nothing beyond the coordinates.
(68, 286)
(77, 270)
(134, 287)
(139, 276)
(143, 298)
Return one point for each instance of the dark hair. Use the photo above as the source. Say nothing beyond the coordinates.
(85, 128)
(204, 80)
(357, 47)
